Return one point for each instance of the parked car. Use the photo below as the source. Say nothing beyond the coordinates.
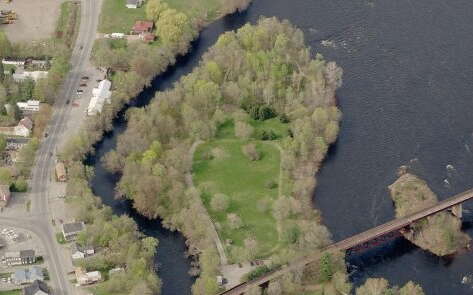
(83, 85)
(85, 78)
(80, 91)
(68, 101)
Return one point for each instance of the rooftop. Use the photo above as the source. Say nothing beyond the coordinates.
(142, 26)
(35, 288)
(73, 227)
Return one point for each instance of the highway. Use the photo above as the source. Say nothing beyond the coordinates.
(38, 220)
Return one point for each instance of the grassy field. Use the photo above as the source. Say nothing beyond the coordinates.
(11, 292)
(197, 7)
(245, 182)
(68, 22)
(117, 18)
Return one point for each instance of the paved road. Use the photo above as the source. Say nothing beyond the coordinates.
(39, 220)
(353, 241)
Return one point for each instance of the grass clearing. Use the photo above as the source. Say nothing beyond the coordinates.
(210, 8)
(68, 22)
(245, 182)
(11, 292)
(60, 238)
(117, 18)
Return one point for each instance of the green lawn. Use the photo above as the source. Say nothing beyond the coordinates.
(197, 7)
(117, 18)
(245, 183)
(11, 292)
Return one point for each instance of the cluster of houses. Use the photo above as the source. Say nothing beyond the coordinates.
(23, 128)
(25, 125)
(28, 68)
(70, 232)
(21, 257)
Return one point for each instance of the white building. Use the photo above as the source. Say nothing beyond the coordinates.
(35, 75)
(85, 278)
(29, 106)
(100, 95)
(15, 62)
(134, 3)
(24, 127)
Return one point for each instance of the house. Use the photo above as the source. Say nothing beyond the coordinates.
(24, 127)
(37, 288)
(20, 257)
(21, 75)
(26, 276)
(14, 62)
(147, 37)
(71, 230)
(29, 106)
(79, 252)
(5, 195)
(100, 95)
(86, 278)
(142, 26)
(61, 172)
(134, 4)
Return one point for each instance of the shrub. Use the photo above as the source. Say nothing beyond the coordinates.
(243, 130)
(220, 202)
(20, 185)
(234, 221)
(266, 135)
(271, 184)
(251, 152)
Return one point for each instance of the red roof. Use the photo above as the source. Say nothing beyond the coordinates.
(142, 26)
(148, 37)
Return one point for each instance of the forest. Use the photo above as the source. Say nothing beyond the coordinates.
(259, 73)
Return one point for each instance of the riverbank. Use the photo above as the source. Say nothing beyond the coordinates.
(127, 84)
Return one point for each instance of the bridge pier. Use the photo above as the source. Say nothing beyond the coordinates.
(457, 210)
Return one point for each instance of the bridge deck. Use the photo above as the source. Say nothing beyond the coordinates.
(355, 240)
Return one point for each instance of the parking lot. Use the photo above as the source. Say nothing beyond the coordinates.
(36, 19)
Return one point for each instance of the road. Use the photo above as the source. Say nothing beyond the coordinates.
(39, 220)
(353, 241)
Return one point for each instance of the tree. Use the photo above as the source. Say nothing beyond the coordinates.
(251, 152)
(5, 176)
(326, 268)
(274, 288)
(341, 284)
(154, 8)
(320, 118)
(220, 202)
(3, 143)
(5, 45)
(411, 289)
(331, 132)
(234, 221)
(175, 29)
(373, 286)
(243, 130)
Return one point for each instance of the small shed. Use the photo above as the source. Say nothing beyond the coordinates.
(61, 172)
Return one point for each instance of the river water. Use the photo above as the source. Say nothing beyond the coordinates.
(407, 99)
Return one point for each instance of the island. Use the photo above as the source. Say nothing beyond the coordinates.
(440, 233)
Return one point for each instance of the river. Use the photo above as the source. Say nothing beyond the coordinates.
(406, 99)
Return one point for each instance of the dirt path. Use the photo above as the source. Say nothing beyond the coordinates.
(211, 227)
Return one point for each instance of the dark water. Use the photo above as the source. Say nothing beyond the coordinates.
(407, 99)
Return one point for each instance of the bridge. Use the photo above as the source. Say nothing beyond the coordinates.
(351, 242)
